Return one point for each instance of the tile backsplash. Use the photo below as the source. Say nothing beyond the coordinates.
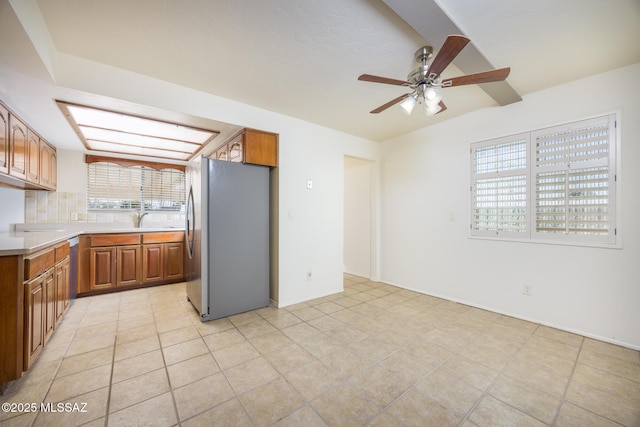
(58, 207)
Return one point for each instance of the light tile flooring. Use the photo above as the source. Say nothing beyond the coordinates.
(372, 355)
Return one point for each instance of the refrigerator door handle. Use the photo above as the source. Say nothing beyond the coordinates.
(191, 224)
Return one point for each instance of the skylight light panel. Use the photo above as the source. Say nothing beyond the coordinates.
(106, 135)
(115, 132)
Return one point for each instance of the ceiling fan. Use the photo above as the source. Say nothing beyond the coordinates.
(426, 82)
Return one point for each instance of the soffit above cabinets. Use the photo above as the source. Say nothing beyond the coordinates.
(116, 132)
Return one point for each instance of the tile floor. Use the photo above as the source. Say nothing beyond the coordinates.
(372, 355)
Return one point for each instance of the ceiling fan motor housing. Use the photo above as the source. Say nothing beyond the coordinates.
(419, 75)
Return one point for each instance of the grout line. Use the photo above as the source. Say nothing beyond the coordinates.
(166, 370)
(486, 392)
(113, 361)
(566, 388)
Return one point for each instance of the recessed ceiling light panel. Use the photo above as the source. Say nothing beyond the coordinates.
(114, 132)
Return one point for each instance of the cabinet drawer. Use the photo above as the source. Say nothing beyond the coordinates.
(61, 252)
(115, 239)
(176, 236)
(38, 263)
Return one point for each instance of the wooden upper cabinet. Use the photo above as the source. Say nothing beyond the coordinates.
(235, 149)
(4, 140)
(17, 148)
(251, 146)
(45, 165)
(33, 157)
(48, 166)
(260, 148)
(53, 167)
(26, 160)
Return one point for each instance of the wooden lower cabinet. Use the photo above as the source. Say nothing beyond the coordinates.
(174, 261)
(35, 302)
(46, 298)
(63, 277)
(50, 303)
(152, 263)
(102, 267)
(34, 294)
(113, 266)
(162, 262)
(113, 262)
(128, 269)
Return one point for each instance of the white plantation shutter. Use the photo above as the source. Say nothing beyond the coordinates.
(553, 185)
(499, 187)
(574, 183)
(114, 187)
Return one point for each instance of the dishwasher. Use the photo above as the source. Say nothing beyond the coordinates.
(73, 270)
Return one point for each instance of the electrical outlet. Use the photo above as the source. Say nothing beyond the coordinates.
(527, 290)
(74, 216)
(309, 275)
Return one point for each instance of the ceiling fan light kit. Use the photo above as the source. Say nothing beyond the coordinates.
(426, 82)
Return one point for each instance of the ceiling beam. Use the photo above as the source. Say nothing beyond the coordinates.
(432, 23)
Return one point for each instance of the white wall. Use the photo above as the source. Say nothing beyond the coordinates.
(357, 216)
(12, 210)
(310, 221)
(425, 205)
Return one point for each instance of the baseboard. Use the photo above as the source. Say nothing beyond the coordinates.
(516, 316)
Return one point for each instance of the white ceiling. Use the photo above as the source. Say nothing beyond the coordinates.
(301, 58)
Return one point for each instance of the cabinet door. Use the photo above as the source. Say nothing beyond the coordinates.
(260, 148)
(128, 270)
(62, 289)
(222, 153)
(102, 268)
(34, 318)
(152, 263)
(66, 265)
(48, 166)
(235, 149)
(53, 168)
(50, 303)
(17, 148)
(45, 165)
(33, 157)
(174, 260)
(4, 140)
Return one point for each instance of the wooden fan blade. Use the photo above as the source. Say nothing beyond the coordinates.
(386, 80)
(390, 103)
(442, 107)
(449, 50)
(484, 77)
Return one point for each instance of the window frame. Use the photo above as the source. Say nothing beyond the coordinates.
(611, 240)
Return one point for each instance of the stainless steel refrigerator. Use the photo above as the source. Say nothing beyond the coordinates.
(227, 237)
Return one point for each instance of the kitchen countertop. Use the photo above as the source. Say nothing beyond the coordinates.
(25, 240)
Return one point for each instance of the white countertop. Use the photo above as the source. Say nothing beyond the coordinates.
(29, 238)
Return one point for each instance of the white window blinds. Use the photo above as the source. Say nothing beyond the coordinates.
(554, 184)
(114, 187)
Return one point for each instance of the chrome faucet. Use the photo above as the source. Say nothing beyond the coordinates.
(139, 215)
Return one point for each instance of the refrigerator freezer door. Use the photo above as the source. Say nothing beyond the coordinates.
(193, 235)
(238, 238)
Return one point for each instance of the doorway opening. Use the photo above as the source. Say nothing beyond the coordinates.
(359, 217)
